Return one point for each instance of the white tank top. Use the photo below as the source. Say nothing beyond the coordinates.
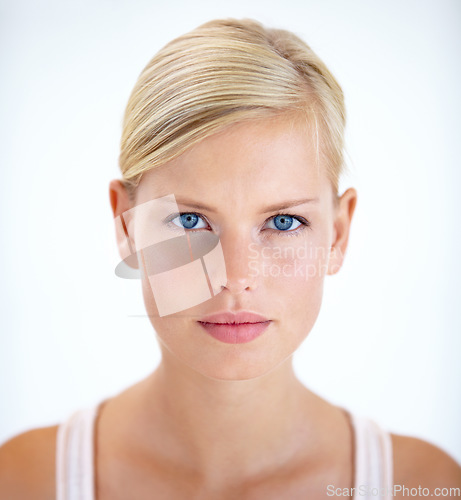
(75, 458)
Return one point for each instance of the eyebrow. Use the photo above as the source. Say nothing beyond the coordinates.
(269, 208)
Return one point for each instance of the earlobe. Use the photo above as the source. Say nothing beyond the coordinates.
(342, 224)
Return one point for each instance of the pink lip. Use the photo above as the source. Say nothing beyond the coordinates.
(235, 328)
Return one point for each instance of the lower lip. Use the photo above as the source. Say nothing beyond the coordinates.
(235, 333)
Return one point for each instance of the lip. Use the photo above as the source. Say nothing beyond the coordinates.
(234, 317)
(235, 327)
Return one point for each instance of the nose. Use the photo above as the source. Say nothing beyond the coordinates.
(236, 251)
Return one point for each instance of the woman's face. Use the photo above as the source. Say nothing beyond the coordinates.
(275, 259)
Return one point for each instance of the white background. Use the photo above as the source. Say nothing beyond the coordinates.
(387, 343)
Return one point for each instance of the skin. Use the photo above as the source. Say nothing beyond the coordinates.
(250, 167)
(230, 421)
(261, 414)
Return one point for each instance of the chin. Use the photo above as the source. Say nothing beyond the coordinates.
(219, 361)
(234, 373)
(238, 373)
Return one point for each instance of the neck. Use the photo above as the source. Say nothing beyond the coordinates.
(222, 430)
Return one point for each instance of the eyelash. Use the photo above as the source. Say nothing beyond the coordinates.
(305, 224)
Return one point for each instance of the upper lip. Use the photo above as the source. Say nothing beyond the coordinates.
(234, 317)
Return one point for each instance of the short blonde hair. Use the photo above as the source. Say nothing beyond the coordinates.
(224, 72)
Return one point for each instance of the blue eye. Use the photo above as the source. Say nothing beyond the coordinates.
(280, 223)
(188, 220)
(284, 222)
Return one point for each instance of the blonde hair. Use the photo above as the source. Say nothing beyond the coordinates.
(224, 72)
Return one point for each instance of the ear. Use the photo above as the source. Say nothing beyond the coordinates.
(344, 211)
(121, 205)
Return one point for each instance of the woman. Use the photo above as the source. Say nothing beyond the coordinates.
(229, 211)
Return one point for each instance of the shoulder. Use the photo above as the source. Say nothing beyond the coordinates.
(418, 463)
(27, 465)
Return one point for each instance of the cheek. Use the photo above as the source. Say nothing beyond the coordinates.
(292, 273)
(168, 327)
(149, 300)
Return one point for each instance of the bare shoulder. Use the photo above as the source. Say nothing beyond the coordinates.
(27, 465)
(418, 463)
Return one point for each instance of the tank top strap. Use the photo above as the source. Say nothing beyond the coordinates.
(75, 455)
(373, 463)
(373, 460)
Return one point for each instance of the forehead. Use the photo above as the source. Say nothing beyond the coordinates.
(252, 161)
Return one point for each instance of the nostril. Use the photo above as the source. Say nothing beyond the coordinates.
(236, 288)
